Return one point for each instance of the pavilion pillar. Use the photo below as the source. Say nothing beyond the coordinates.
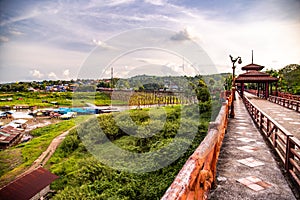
(242, 91)
(276, 88)
(271, 88)
(262, 89)
(267, 90)
(258, 89)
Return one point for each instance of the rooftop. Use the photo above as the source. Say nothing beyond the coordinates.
(253, 67)
(28, 185)
(8, 133)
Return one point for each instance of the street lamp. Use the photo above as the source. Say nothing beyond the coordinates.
(239, 60)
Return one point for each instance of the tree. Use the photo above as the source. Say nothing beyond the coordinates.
(290, 76)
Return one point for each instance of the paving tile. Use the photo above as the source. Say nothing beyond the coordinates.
(287, 119)
(260, 143)
(251, 162)
(248, 149)
(243, 139)
(242, 120)
(241, 127)
(254, 183)
(295, 123)
(244, 181)
(253, 179)
(263, 184)
(241, 124)
(281, 115)
(244, 132)
(255, 187)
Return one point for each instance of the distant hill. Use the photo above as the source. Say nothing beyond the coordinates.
(289, 78)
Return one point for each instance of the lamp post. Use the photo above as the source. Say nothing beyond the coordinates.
(231, 115)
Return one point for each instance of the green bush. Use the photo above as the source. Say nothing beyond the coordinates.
(84, 177)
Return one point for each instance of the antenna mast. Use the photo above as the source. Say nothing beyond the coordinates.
(111, 76)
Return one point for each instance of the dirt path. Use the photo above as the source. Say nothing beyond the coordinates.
(46, 155)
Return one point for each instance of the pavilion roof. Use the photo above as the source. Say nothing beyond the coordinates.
(255, 76)
(253, 67)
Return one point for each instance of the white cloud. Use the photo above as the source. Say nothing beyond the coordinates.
(24, 16)
(4, 39)
(155, 2)
(58, 32)
(98, 43)
(52, 76)
(116, 2)
(36, 74)
(187, 33)
(16, 32)
(102, 44)
(66, 74)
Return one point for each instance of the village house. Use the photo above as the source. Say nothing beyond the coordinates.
(34, 185)
(9, 136)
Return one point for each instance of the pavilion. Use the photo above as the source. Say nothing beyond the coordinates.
(254, 75)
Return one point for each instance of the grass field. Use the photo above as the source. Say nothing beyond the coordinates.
(44, 99)
(16, 160)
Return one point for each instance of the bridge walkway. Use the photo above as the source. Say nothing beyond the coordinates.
(289, 119)
(247, 168)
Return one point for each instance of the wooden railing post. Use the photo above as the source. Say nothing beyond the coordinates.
(261, 121)
(268, 125)
(289, 155)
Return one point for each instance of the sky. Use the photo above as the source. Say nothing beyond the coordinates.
(55, 39)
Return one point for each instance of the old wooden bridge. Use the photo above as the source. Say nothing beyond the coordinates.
(255, 155)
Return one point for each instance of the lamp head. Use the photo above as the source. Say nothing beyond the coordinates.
(240, 60)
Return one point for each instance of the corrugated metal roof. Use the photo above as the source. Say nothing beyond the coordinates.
(28, 185)
(8, 133)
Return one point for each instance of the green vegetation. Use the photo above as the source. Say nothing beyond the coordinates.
(166, 132)
(289, 78)
(15, 160)
(46, 99)
(38, 85)
(84, 177)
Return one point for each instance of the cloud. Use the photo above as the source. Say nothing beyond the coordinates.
(36, 74)
(66, 74)
(155, 2)
(54, 34)
(16, 32)
(24, 16)
(119, 2)
(187, 33)
(102, 44)
(52, 76)
(4, 39)
(98, 42)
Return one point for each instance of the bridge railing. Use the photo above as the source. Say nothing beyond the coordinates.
(288, 103)
(288, 96)
(284, 142)
(198, 174)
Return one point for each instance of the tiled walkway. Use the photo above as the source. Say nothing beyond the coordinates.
(246, 167)
(289, 119)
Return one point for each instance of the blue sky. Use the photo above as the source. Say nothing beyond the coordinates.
(52, 39)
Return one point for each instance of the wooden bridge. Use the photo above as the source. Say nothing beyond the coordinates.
(255, 155)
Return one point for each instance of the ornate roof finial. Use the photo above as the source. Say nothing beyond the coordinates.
(252, 56)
